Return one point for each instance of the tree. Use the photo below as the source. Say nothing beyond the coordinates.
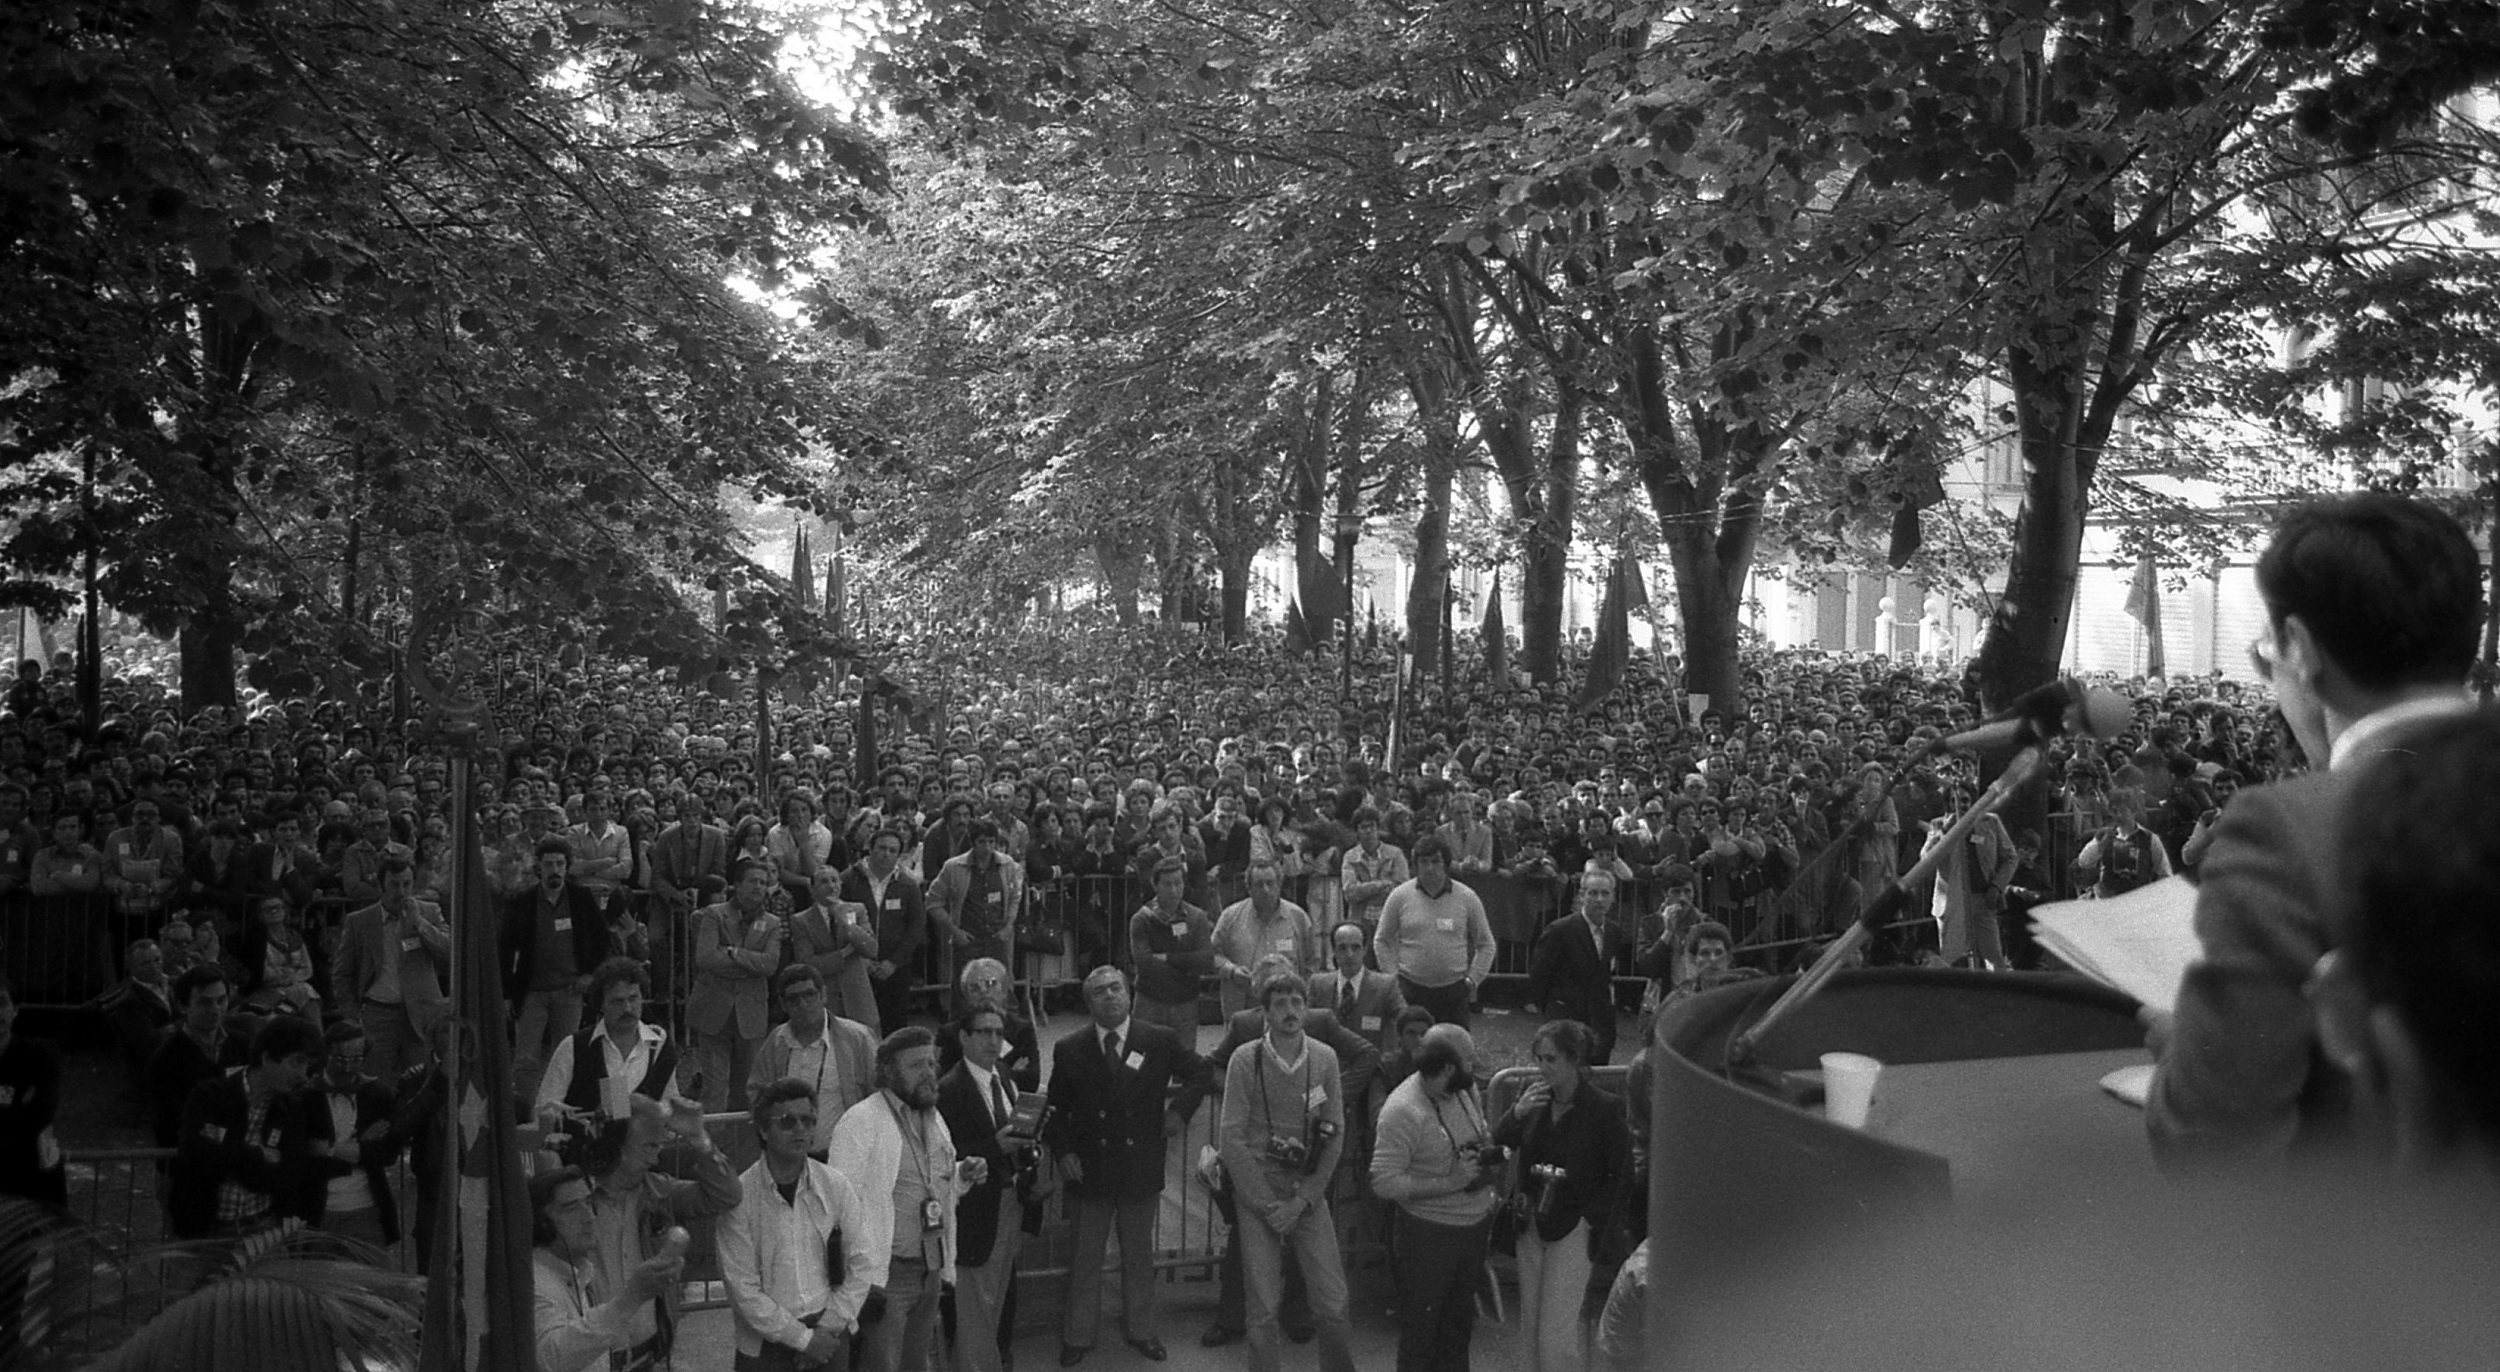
(350, 302)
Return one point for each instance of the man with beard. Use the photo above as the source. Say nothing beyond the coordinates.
(896, 1150)
(553, 937)
(1429, 1159)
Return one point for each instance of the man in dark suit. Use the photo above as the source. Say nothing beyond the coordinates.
(902, 926)
(1357, 1060)
(554, 936)
(1571, 971)
(387, 973)
(1363, 1000)
(2374, 603)
(242, 1160)
(347, 1123)
(1119, 1089)
(977, 1101)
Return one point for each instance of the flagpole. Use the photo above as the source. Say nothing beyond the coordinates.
(455, 1259)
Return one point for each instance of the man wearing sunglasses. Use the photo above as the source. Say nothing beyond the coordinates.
(2373, 604)
(795, 1253)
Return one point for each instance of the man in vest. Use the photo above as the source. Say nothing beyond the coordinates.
(594, 1077)
(2125, 855)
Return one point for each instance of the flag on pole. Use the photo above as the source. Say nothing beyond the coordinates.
(837, 591)
(478, 1306)
(1297, 629)
(1496, 638)
(864, 762)
(802, 571)
(1612, 652)
(2144, 607)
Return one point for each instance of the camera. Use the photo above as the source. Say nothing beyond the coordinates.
(1483, 1153)
(1547, 1181)
(1301, 1154)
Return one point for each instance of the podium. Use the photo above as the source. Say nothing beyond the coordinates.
(1990, 1096)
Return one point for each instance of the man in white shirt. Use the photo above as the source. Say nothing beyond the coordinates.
(896, 1150)
(794, 1254)
(603, 856)
(598, 1072)
(581, 1324)
(835, 1057)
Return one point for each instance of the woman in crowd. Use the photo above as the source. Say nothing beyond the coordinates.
(801, 846)
(1575, 1162)
(277, 964)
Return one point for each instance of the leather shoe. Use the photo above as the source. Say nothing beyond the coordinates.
(1070, 1355)
(1149, 1349)
(1217, 1336)
(1302, 1333)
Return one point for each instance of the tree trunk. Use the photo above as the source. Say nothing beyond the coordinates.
(1707, 597)
(1119, 575)
(2026, 639)
(207, 647)
(1234, 568)
(1547, 554)
(1427, 604)
(1315, 579)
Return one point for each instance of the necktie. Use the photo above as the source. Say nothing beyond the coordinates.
(1345, 1000)
(1111, 1049)
(1000, 1110)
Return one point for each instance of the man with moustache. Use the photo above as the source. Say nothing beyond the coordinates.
(895, 1149)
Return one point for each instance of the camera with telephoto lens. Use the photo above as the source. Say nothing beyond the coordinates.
(1547, 1180)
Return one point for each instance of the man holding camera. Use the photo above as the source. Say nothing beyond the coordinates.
(1280, 1133)
(1434, 1159)
(977, 1099)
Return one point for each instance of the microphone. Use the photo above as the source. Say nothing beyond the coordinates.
(2045, 712)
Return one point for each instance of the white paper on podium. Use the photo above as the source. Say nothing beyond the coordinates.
(2140, 943)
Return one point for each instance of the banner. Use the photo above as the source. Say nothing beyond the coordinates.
(480, 1303)
(2144, 607)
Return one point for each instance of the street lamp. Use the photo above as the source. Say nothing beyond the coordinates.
(1349, 528)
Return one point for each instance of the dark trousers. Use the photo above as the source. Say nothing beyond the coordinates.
(1448, 1004)
(1438, 1268)
(1080, 1323)
(894, 997)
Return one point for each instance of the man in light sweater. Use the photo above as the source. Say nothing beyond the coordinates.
(1430, 1159)
(1280, 1134)
(1434, 938)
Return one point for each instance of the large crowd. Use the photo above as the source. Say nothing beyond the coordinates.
(697, 920)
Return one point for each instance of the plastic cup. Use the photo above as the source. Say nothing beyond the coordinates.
(1849, 1087)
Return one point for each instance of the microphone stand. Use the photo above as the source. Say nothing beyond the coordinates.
(1886, 907)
